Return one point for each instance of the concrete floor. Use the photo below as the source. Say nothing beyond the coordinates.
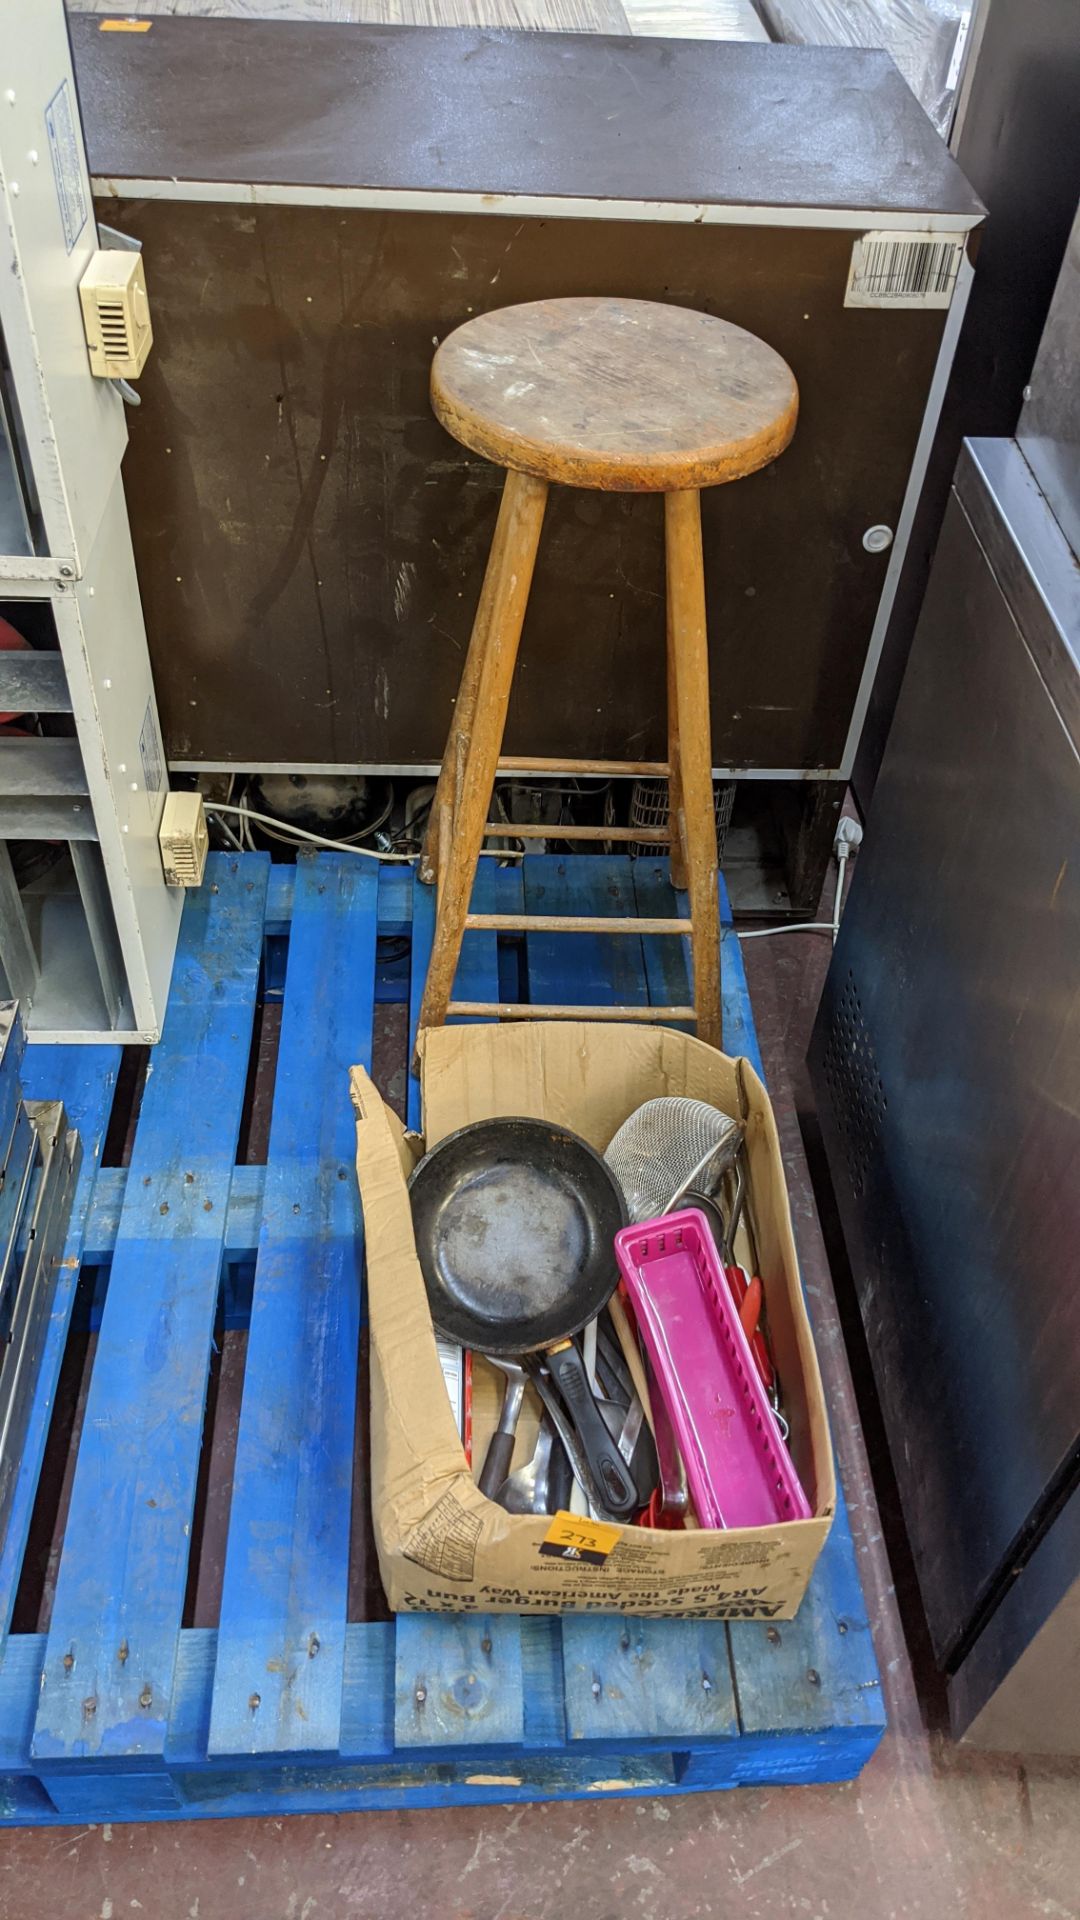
(928, 1829)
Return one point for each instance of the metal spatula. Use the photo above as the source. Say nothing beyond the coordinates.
(669, 1146)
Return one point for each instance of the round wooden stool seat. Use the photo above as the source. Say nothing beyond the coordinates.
(626, 396)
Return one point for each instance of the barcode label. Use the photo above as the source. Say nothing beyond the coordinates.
(903, 270)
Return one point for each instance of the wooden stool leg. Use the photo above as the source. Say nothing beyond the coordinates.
(506, 589)
(689, 670)
(676, 812)
(451, 773)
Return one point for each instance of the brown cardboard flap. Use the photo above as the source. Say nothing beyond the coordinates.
(561, 1071)
(415, 1447)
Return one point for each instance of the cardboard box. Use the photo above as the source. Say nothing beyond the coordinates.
(442, 1546)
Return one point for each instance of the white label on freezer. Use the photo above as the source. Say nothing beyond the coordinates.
(904, 269)
(67, 163)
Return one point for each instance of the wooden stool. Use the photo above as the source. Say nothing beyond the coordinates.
(625, 396)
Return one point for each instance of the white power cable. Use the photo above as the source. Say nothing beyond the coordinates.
(211, 814)
(848, 836)
(284, 830)
(838, 897)
(795, 926)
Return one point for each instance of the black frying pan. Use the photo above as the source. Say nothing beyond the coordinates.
(514, 1223)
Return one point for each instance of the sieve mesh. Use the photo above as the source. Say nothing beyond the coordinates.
(658, 1150)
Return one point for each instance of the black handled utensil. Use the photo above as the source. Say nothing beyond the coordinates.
(501, 1445)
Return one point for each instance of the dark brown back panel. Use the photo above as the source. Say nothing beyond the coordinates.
(310, 543)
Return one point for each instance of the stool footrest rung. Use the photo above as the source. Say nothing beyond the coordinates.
(513, 830)
(514, 1010)
(531, 764)
(569, 923)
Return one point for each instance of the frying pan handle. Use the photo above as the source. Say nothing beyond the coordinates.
(609, 1469)
(568, 1436)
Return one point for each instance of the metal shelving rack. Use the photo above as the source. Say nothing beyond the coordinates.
(87, 930)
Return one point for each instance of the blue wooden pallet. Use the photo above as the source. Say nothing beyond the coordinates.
(120, 1711)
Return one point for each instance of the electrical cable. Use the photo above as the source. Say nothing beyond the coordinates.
(247, 814)
(798, 926)
(838, 897)
(211, 814)
(300, 834)
(848, 838)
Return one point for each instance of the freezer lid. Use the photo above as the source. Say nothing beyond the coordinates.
(548, 115)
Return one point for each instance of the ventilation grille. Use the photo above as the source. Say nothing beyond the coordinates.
(116, 315)
(858, 1098)
(185, 865)
(183, 839)
(114, 329)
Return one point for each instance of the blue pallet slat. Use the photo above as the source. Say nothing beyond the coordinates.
(826, 1654)
(666, 955)
(668, 962)
(91, 1794)
(108, 1674)
(21, 1662)
(193, 1694)
(395, 900)
(819, 1670)
(279, 898)
(496, 890)
(281, 1635)
(341, 1788)
(740, 1036)
(370, 1672)
(777, 1760)
(478, 1692)
(368, 1706)
(372, 1668)
(102, 1219)
(623, 1676)
(85, 1079)
(24, 1802)
(591, 969)
(107, 1202)
(583, 969)
(458, 1680)
(634, 1679)
(542, 1681)
(367, 1712)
